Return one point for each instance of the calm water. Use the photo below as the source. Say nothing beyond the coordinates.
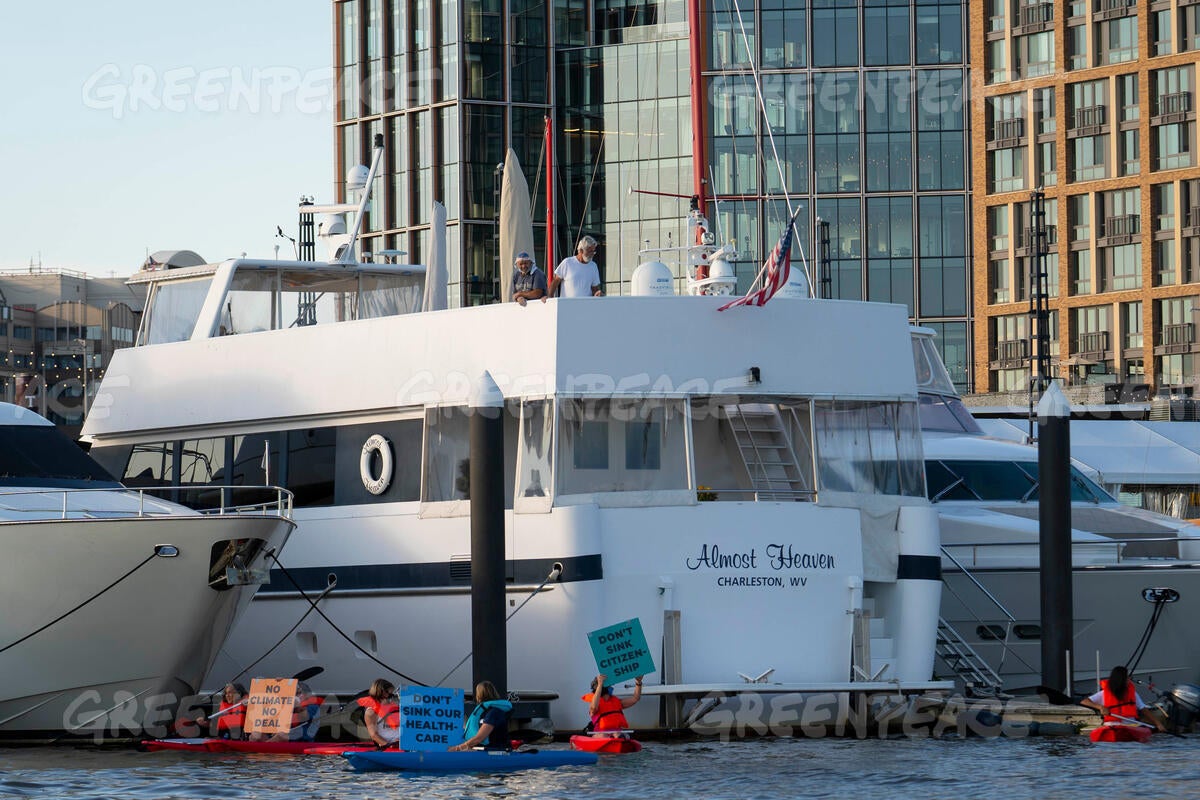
(768, 768)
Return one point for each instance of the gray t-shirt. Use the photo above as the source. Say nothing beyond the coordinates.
(534, 279)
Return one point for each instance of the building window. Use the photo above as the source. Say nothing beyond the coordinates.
(1127, 93)
(784, 34)
(939, 31)
(835, 131)
(940, 130)
(888, 121)
(1163, 200)
(1118, 40)
(1043, 110)
(1008, 170)
(1081, 272)
(1173, 145)
(1131, 314)
(889, 250)
(942, 238)
(1001, 281)
(1046, 166)
(1189, 17)
(1124, 268)
(885, 33)
(835, 33)
(997, 61)
(1166, 266)
(1160, 33)
(1079, 217)
(1035, 54)
(1128, 144)
(998, 228)
(1077, 54)
(1087, 158)
(997, 10)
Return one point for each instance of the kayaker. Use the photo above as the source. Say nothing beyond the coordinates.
(1119, 701)
(303, 725)
(608, 712)
(487, 726)
(381, 713)
(233, 701)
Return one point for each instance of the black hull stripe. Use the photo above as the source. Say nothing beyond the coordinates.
(919, 568)
(435, 575)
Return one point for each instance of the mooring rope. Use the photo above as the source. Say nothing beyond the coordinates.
(61, 617)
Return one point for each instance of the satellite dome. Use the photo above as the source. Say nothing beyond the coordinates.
(356, 177)
(653, 279)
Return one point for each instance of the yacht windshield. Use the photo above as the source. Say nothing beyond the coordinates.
(1000, 481)
(42, 456)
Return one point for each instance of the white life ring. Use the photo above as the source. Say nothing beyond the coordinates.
(376, 444)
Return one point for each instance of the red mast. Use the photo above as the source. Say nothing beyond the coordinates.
(696, 51)
(549, 200)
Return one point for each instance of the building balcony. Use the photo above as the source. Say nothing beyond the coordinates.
(1176, 339)
(1120, 229)
(1027, 240)
(1007, 133)
(1172, 108)
(1191, 225)
(1092, 345)
(1088, 121)
(1035, 18)
(1012, 353)
(1111, 9)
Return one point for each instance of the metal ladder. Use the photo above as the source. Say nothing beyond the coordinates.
(979, 679)
(766, 452)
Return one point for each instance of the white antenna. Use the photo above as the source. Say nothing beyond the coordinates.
(347, 253)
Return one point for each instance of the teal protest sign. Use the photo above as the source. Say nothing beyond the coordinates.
(430, 718)
(621, 651)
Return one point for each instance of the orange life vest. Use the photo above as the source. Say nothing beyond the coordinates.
(610, 713)
(234, 721)
(389, 713)
(301, 715)
(1124, 706)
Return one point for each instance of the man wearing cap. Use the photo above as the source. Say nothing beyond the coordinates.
(528, 282)
(578, 275)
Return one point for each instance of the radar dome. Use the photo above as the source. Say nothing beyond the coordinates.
(356, 177)
(653, 279)
(722, 278)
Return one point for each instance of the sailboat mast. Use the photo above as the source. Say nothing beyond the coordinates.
(549, 200)
(696, 51)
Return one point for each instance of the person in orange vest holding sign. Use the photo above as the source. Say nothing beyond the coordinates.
(382, 713)
(608, 712)
(232, 712)
(1119, 702)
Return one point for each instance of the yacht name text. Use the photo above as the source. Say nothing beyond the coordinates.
(776, 557)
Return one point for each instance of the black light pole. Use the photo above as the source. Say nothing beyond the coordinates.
(489, 641)
(1054, 518)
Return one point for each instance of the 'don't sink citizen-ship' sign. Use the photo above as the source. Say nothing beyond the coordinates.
(621, 650)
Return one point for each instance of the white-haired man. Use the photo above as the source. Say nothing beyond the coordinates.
(578, 275)
(528, 282)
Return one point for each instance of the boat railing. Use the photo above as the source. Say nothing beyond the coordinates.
(1009, 619)
(978, 550)
(215, 500)
(707, 493)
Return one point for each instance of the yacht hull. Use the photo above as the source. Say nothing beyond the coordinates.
(1110, 619)
(119, 661)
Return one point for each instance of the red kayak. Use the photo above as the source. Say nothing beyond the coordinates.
(239, 746)
(605, 744)
(1121, 733)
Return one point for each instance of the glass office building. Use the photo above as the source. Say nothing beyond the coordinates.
(856, 118)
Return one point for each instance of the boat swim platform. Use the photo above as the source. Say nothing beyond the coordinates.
(856, 710)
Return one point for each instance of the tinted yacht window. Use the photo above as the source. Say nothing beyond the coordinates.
(42, 456)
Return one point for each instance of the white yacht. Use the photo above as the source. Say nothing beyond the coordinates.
(115, 602)
(1136, 573)
(722, 476)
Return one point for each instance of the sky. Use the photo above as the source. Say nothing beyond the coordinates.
(131, 127)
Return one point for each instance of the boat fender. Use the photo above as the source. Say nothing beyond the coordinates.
(373, 445)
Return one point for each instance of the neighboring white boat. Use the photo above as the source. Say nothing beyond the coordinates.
(722, 476)
(115, 602)
(986, 493)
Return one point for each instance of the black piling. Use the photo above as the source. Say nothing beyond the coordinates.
(489, 641)
(1054, 518)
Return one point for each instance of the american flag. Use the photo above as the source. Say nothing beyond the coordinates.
(776, 271)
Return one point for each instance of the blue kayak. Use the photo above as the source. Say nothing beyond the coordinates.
(467, 760)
